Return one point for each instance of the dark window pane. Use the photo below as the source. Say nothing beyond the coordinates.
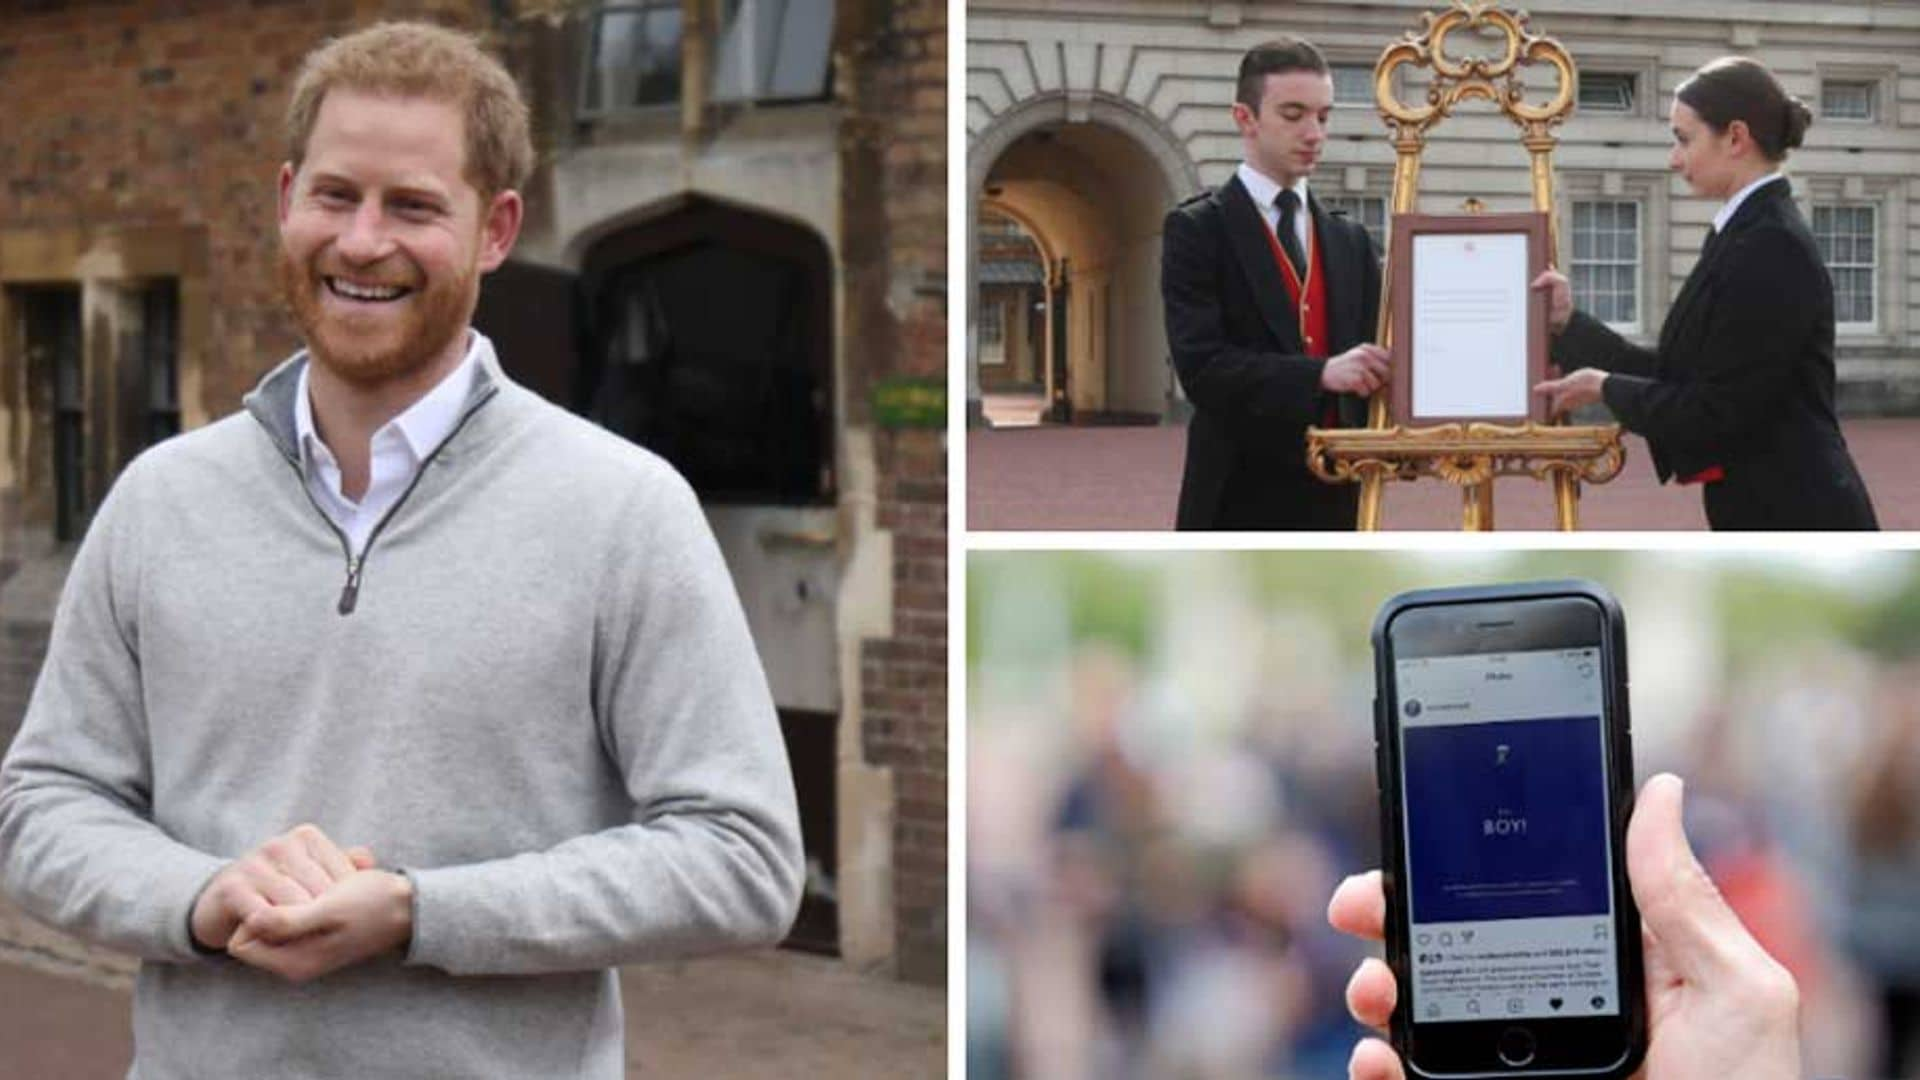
(1606, 91)
(773, 50)
(635, 58)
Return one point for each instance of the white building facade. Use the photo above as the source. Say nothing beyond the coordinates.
(1087, 121)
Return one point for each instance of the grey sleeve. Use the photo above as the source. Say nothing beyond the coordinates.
(712, 856)
(79, 848)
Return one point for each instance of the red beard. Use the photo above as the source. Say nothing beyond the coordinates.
(370, 350)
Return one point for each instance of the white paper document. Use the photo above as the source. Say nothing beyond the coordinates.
(1470, 324)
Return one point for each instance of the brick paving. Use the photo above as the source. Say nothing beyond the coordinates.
(746, 1017)
(1103, 478)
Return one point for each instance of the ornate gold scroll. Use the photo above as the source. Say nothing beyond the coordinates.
(1468, 455)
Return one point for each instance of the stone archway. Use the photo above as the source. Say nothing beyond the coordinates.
(1091, 176)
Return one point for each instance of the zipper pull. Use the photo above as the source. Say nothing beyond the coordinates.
(351, 593)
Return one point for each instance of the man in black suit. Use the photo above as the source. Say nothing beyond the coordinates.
(1270, 304)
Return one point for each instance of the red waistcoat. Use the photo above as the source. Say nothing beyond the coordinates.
(1313, 312)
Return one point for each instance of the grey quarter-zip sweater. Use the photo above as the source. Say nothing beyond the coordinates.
(536, 694)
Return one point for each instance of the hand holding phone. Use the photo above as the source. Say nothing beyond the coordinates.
(1506, 778)
(1719, 1005)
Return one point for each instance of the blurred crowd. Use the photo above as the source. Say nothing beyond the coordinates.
(1155, 829)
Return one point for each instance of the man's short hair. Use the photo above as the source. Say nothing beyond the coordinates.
(1276, 57)
(413, 59)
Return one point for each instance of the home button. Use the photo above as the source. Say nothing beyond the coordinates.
(1516, 1047)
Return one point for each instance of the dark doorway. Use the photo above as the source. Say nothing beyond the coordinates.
(711, 345)
(810, 749)
(534, 317)
(50, 332)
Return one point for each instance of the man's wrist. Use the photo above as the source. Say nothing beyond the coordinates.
(193, 921)
(402, 908)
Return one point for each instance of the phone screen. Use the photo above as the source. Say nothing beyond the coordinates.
(1504, 773)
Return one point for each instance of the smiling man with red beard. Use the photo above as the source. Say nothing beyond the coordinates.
(402, 603)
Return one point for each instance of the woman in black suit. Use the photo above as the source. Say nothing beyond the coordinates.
(1738, 394)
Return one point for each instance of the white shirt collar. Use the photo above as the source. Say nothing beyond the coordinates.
(421, 426)
(1726, 212)
(1265, 189)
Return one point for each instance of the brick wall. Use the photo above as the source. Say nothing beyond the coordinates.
(904, 696)
(896, 255)
(142, 114)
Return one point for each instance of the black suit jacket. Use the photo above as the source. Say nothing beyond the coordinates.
(1235, 340)
(1742, 377)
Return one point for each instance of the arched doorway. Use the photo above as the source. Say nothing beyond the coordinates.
(711, 345)
(1091, 189)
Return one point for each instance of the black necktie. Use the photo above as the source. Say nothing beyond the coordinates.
(1289, 203)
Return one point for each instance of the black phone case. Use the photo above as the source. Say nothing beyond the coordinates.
(1620, 748)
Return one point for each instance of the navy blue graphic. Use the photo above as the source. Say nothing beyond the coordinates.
(1506, 820)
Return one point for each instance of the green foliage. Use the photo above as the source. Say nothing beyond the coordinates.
(1891, 628)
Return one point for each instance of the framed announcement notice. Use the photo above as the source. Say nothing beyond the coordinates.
(1469, 334)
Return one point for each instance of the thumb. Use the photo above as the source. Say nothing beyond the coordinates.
(1700, 936)
(362, 858)
(279, 925)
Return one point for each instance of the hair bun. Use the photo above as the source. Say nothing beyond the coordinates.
(1799, 118)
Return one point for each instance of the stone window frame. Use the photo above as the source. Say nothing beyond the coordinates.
(1636, 95)
(1644, 70)
(1882, 100)
(1335, 68)
(1871, 265)
(1649, 189)
(1638, 251)
(111, 266)
(1886, 194)
(1337, 58)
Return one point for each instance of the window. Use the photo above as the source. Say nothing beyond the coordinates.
(160, 348)
(1847, 99)
(1606, 262)
(1366, 210)
(633, 57)
(1353, 84)
(1607, 91)
(993, 325)
(1845, 235)
(773, 50)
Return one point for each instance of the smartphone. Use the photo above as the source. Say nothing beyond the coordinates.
(1505, 765)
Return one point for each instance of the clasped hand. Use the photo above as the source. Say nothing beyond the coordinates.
(299, 906)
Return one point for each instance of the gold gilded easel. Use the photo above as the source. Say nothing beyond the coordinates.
(1469, 455)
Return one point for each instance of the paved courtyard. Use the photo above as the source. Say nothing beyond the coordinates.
(1099, 478)
(754, 1016)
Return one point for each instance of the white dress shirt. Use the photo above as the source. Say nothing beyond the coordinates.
(1264, 190)
(396, 450)
(1726, 212)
